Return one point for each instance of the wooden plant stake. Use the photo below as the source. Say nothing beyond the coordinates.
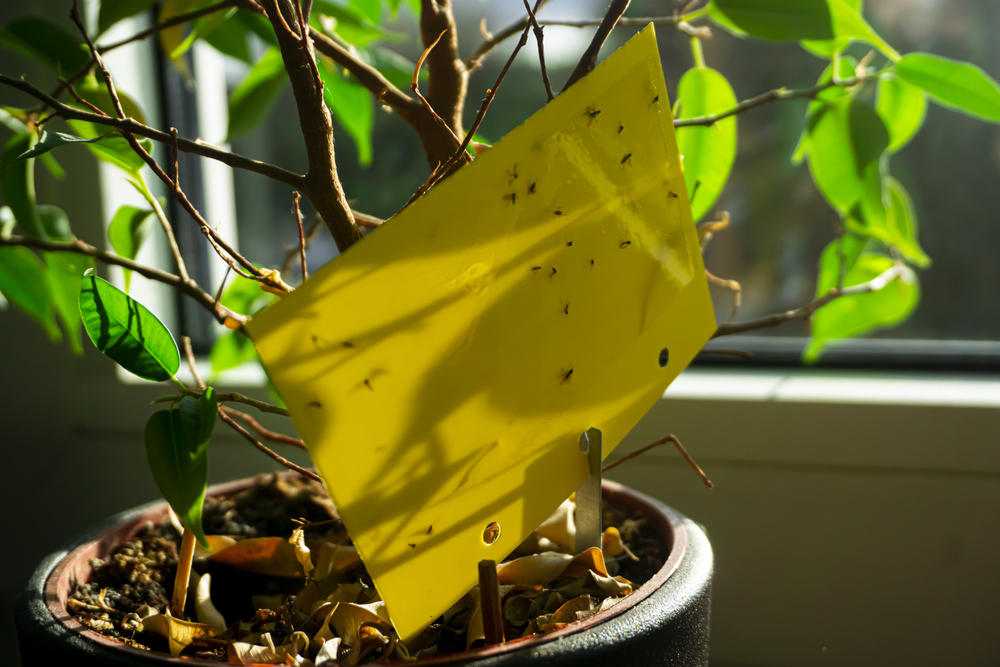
(179, 598)
(489, 602)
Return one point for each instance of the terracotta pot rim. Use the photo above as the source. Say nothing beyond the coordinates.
(75, 566)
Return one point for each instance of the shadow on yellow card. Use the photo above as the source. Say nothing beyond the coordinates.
(442, 370)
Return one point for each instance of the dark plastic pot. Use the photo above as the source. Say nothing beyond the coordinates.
(664, 622)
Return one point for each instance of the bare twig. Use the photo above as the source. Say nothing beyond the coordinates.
(263, 432)
(189, 353)
(246, 400)
(589, 59)
(449, 79)
(541, 49)
(292, 252)
(135, 127)
(680, 448)
(731, 285)
(415, 87)
(623, 22)
(188, 287)
(445, 169)
(302, 236)
(493, 40)
(438, 143)
(801, 313)
(222, 285)
(270, 452)
(770, 96)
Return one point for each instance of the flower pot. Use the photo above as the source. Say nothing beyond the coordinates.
(663, 622)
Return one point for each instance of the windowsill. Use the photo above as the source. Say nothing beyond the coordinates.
(838, 386)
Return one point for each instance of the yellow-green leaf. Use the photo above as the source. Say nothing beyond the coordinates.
(857, 314)
(953, 84)
(709, 151)
(902, 107)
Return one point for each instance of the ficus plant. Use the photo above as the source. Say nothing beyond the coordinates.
(332, 54)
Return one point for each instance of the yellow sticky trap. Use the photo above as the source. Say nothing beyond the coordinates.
(442, 370)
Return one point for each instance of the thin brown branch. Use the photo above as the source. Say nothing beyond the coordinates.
(135, 127)
(770, 96)
(449, 79)
(263, 432)
(623, 22)
(322, 184)
(253, 402)
(730, 285)
(415, 87)
(167, 23)
(302, 236)
(192, 366)
(291, 252)
(537, 29)
(680, 448)
(274, 455)
(437, 143)
(222, 285)
(588, 61)
(492, 41)
(188, 287)
(445, 169)
(801, 313)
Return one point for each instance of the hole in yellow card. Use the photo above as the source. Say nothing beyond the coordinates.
(528, 298)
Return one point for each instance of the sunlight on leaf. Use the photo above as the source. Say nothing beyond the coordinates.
(953, 84)
(125, 330)
(178, 633)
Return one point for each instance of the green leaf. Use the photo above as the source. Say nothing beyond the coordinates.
(394, 67)
(41, 38)
(230, 351)
(123, 329)
(230, 39)
(352, 26)
(65, 271)
(370, 9)
(201, 28)
(846, 139)
(113, 11)
(172, 37)
(127, 232)
(901, 223)
(55, 222)
(351, 103)
(902, 107)
(253, 99)
(847, 65)
(841, 254)
(857, 314)
(24, 281)
(50, 140)
(709, 152)
(953, 84)
(177, 451)
(785, 20)
(17, 182)
(10, 118)
(114, 149)
(826, 48)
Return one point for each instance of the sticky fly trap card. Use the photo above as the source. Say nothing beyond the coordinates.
(443, 369)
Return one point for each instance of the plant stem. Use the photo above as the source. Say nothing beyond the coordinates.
(179, 599)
